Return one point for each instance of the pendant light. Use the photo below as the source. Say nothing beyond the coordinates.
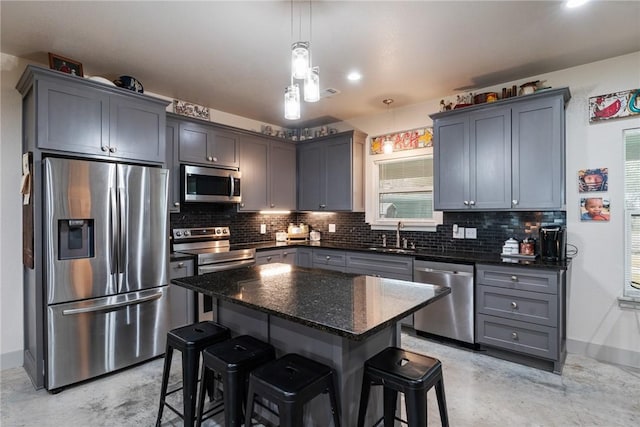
(387, 144)
(312, 85)
(299, 60)
(292, 102)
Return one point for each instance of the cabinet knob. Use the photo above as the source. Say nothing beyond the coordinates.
(273, 205)
(209, 158)
(214, 159)
(466, 203)
(242, 205)
(328, 257)
(112, 149)
(181, 265)
(472, 202)
(514, 304)
(268, 259)
(514, 335)
(514, 278)
(104, 148)
(285, 253)
(176, 204)
(514, 202)
(323, 206)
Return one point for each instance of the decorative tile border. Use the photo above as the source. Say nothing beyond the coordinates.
(185, 108)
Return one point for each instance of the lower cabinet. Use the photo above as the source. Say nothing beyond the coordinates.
(304, 257)
(522, 310)
(284, 256)
(329, 259)
(181, 300)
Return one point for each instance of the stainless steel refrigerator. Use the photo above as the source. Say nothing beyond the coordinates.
(106, 267)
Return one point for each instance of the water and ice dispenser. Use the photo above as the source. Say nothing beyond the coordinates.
(75, 238)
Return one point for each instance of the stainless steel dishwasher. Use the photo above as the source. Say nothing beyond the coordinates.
(453, 315)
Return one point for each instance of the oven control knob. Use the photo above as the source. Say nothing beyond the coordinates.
(187, 233)
(225, 231)
(218, 231)
(178, 233)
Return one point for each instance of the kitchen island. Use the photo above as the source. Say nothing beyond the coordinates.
(335, 318)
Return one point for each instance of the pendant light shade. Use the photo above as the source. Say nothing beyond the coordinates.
(312, 85)
(292, 102)
(299, 60)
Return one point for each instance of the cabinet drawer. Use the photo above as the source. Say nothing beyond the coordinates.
(525, 279)
(534, 340)
(531, 307)
(268, 257)
(390, 266)
(329, 258)
(178, 269)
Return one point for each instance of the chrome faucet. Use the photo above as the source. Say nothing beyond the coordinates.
(400, 225)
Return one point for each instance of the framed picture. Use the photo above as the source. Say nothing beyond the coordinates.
(594, 209)
(405, 140)
(593, 180)
(614, 105)
(66, 65)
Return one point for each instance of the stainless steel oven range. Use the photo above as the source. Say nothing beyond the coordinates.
(212, 251)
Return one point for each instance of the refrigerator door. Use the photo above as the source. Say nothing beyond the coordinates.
(92, 337)
(79, 229)
(143, 252)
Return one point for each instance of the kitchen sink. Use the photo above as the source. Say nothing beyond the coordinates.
(393, 250)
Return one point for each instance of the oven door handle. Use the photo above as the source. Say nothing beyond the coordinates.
(211, 268)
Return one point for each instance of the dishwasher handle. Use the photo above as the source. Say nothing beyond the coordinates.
(433, 270)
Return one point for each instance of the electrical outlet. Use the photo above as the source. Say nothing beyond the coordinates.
(458, 232)
(332, 228)
(470, 233)
(263, 228)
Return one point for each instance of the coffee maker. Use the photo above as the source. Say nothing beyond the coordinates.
(553, 245)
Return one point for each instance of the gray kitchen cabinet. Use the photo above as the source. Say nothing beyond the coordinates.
(173, 165)
(207, 144)
(381, 265)
(84, 117)
(181, 300)
(331, 172)
(522, 310)
(507, 155)
(268, 171)
(329, 259)
(270, 256)
(304, 257)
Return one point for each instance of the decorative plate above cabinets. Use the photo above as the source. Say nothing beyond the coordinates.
(507, 155)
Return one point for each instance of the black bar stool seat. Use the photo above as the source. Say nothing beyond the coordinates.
(190, 340)
(233, 360)
(413, 374)
(290, 382)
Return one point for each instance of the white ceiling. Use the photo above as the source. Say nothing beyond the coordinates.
(233, 56)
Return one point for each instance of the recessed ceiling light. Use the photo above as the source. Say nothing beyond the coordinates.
(354, 76)
(575, 3)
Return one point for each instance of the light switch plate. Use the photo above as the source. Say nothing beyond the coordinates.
(470, 233)
(332, 228)
(459, 234)
(263, 228)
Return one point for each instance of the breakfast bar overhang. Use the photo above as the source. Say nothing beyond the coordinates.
(335, 318)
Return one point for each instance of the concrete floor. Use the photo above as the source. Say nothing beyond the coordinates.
(480, 391)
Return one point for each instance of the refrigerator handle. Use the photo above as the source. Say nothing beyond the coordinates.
(105, 307)
(113, 216)
(232, 185)
(123, 230)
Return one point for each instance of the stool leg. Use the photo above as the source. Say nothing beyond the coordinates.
(416, 403)
(165, 380)
(364, 399)
(390, 398)
(335, 406)
(203, 390)
(290, 414)
(249, 411)
(190, 364)
(233, 386)
(442, 403)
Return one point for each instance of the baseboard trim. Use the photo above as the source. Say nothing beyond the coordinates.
(11, 359)
(605, 353)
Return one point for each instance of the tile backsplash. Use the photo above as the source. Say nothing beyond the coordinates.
(493, 228)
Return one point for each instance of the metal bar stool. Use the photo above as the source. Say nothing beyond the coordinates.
(190, 340)
(410, 373)
(232, 360)
(290, 382)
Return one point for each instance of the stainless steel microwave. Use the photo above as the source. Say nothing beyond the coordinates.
(209, 185)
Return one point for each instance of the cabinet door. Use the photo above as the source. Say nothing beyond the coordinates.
(194, 140)
(337, 174)
(490, 159)
(289, 256)
(254, 157)
(310, 182)
(181, 300)
(172, 163)
(538, 154)
(282, 169)
(224, 148)
(72, 118)
(451, 163)
(136, 130)
(304, 257)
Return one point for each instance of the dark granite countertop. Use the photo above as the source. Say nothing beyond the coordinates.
(348, 305)
(419, 254)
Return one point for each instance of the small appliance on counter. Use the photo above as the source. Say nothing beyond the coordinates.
(314, 236)
(281, 236)
(298, 232)
(553, 245)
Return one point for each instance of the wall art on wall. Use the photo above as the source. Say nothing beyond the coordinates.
(192, 110)
(594, 209)
(614, 105)
(405, 140)
(66, 65)
(593, 180)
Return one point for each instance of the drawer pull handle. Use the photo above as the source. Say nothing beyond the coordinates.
(514, 278)
(514, 335)
(268, 259)
(181, 265)
(285, 253)
(328, 257)
(514, 304)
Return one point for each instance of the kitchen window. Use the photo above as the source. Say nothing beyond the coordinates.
(401, 190)
(632, 215)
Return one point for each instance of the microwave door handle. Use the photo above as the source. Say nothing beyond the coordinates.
(113, 217)
(232, 185)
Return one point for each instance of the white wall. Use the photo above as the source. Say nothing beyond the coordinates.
(596, 325)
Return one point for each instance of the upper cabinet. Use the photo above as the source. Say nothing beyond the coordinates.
(330, 173)
(173, 164)
(81, 116)
(208, 144)
(506, 155)
(268, 169)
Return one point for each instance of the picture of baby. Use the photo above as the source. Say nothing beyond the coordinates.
(594, 209)
(593, 180)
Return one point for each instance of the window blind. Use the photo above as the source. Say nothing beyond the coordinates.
(632, 213)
